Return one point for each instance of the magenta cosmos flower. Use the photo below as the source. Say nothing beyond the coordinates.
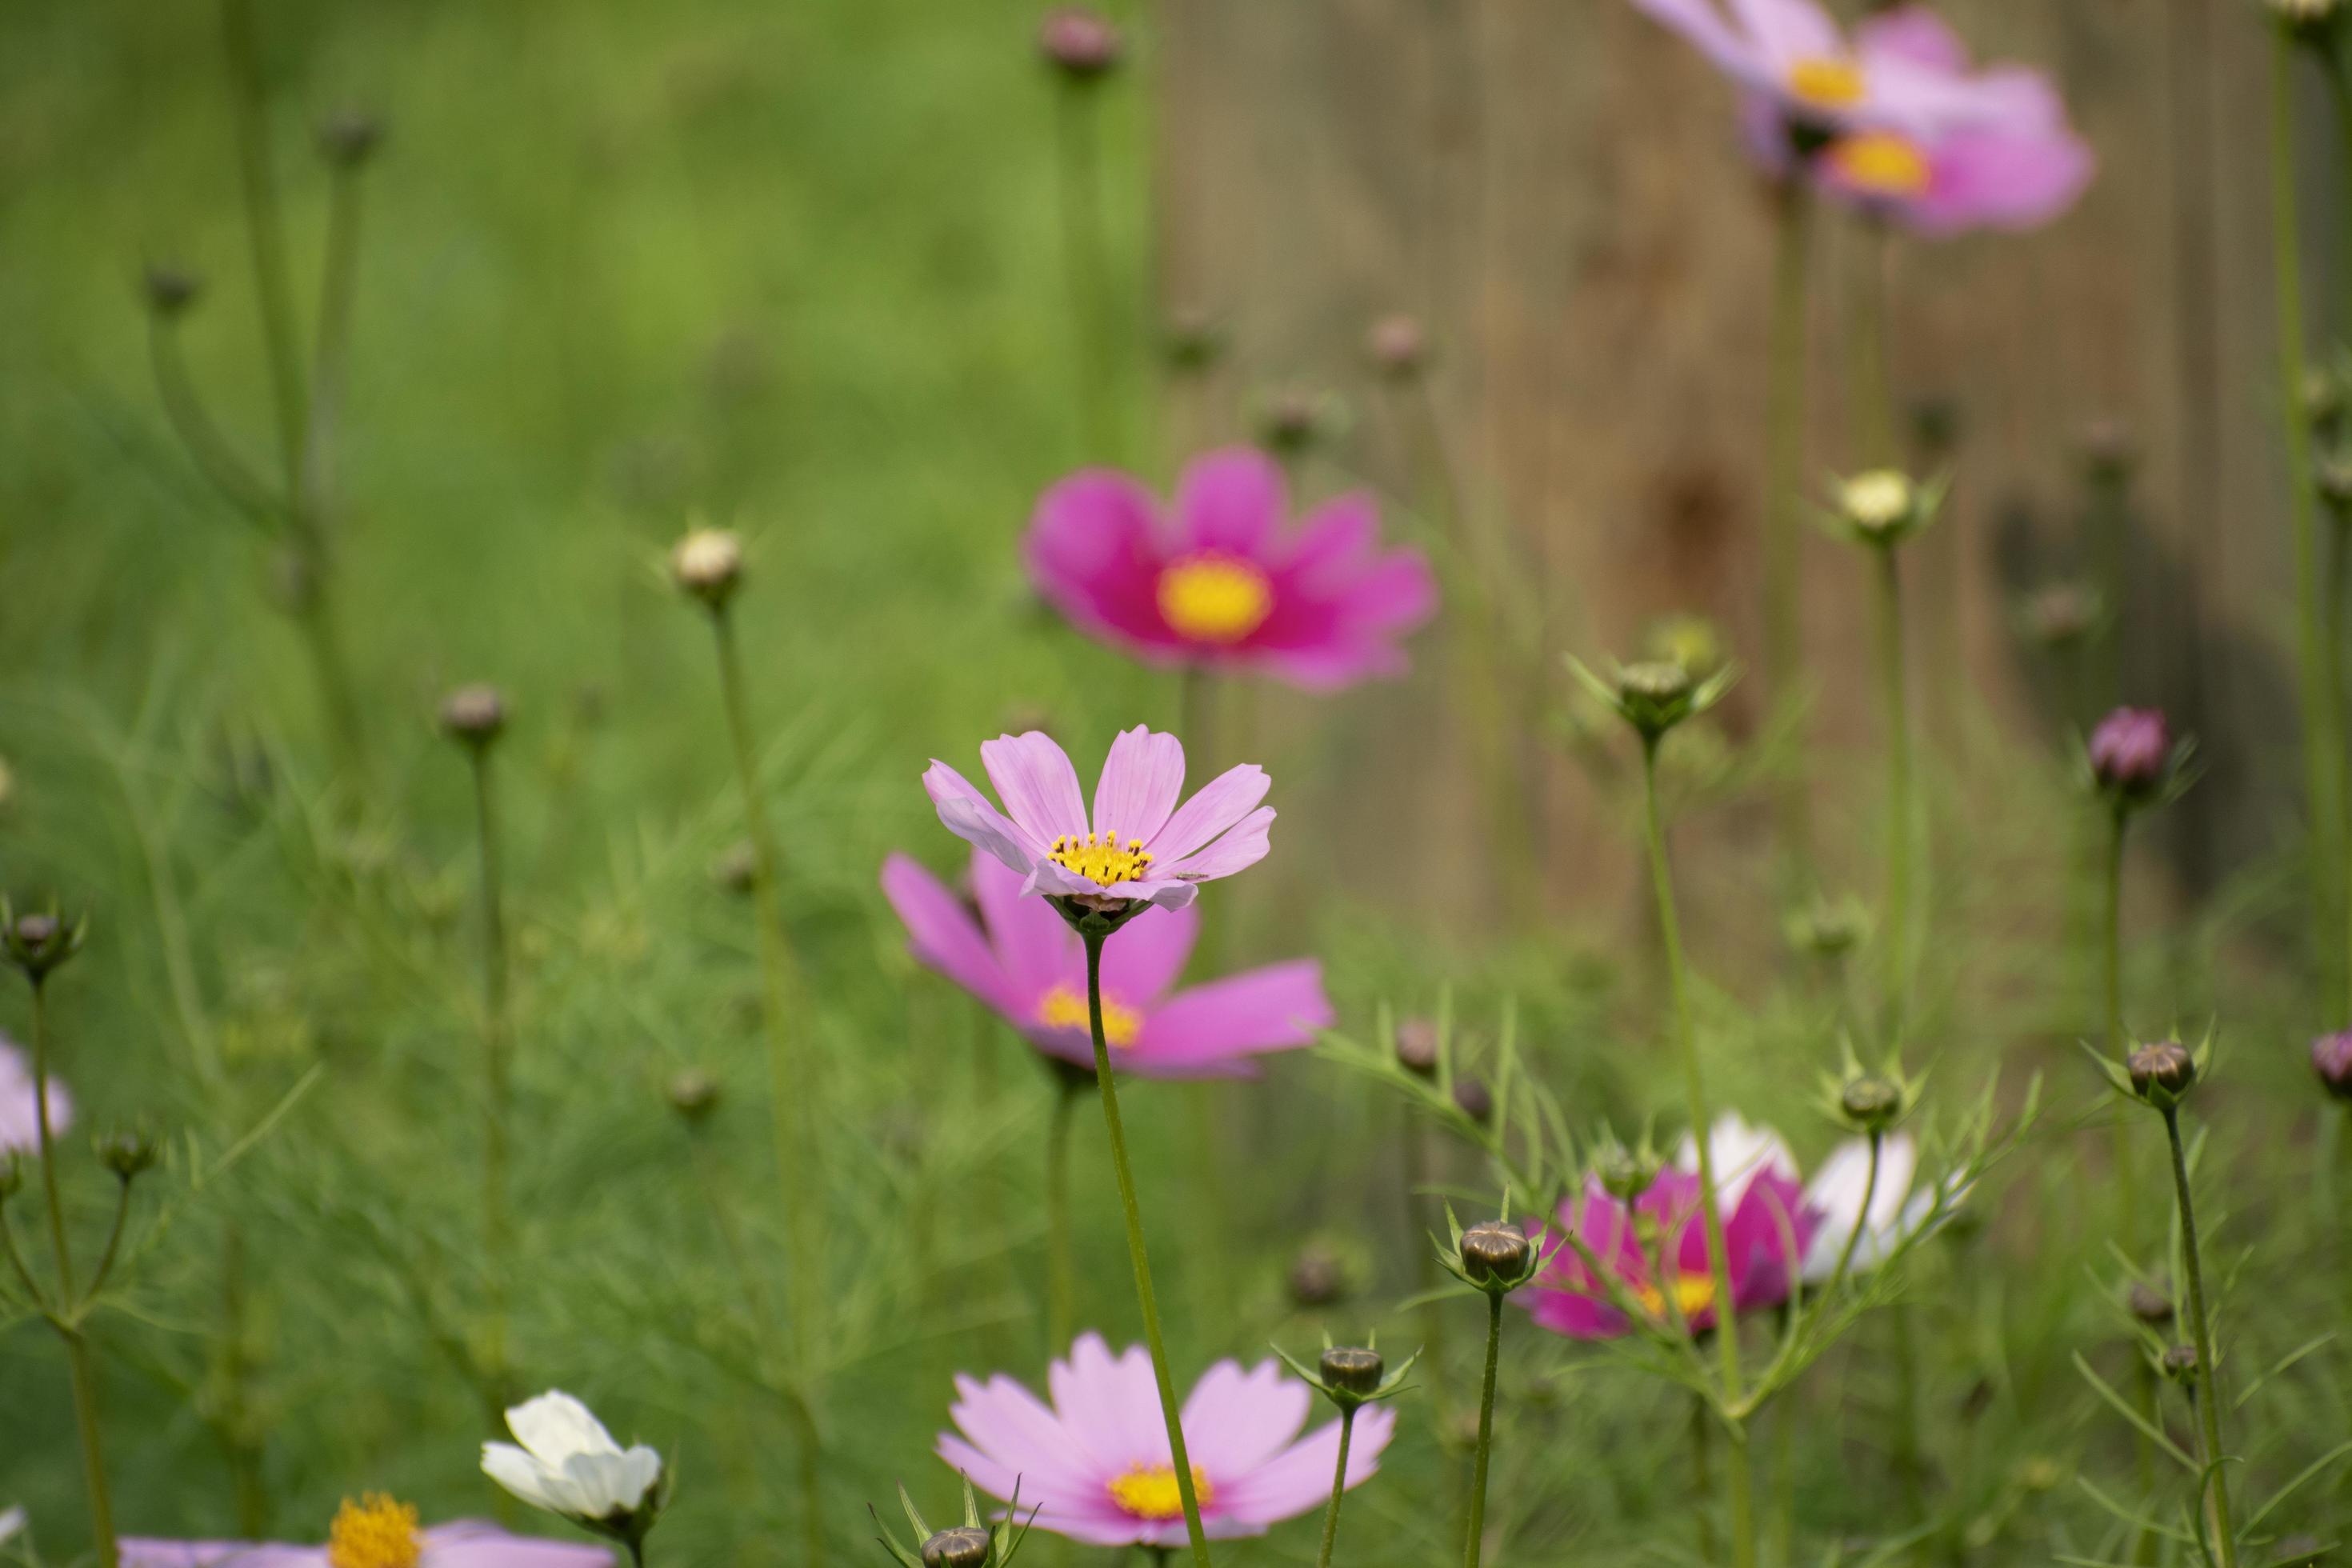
(20, 1128)
(1768, 1223)
(1095, 1462)
(1138, 844)
(1899, 122)
(1217, 580)
(373, 1532)
(1025, 963)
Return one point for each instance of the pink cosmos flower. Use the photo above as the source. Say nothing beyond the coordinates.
(1899, 122)
(20, 1129)
(1025, 963)
(375, 1532)
(1217, 581)
(1140, 845)
(1097, 1462)
(1768, 1225)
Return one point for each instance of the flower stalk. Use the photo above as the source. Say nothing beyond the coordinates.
(1094, 929)
(2200, 1327)
(1474, 1536)
(497, 1235)
(1339, 1490)
(1784, 425)
(1900, 807)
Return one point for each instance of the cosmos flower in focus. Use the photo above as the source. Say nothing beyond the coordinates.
(373, 1532)
(1095, 1462)
(569, 1464)
(1022, 960)
(1140, 846)
(20, 1131)
(1217, 579)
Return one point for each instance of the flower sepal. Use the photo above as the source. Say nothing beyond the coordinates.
(1655, 696)
(1870, 1101)
(2159, 1074)
(1881, 507)
(38, 942)
(1351, 1376)
(971, 1544)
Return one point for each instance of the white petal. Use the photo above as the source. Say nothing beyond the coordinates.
(555, 1426)
(11, 1523)
(526, 1478)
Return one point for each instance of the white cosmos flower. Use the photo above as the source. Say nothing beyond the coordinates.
(1896, 1214)
(569, 1464)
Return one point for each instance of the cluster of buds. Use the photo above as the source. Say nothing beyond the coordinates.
(1883, 507)
(971, 1544)
(1493, 1255)
(1655, 695)
(1351, 1376)
(2133, 760)
(36, 943)
(1078, 42)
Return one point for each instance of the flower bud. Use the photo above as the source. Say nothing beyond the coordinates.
(1654, 695)
(129, 1153)
(2107, 451)
(2331, 1059)
(38, 943)
(2148, 1304)
(2179, 1363)
(1293, 419)
(965, 1546)
(1871, 1103)
(2060, 615)
(1079, 43)
(1881, 505)
(1619, 1172)
(1318, 1276)
(1352, 1371)
(1829, 929)
(2308, 21)
(350, 139)
(693, 1094)
(2131, 751)
(474, 715)
(709, 564)
(171, 289)
(1416, 1047)
(2161, 1072)
(1494, 1249)
(1474, 1100)
(1398, 347)
(737, 869)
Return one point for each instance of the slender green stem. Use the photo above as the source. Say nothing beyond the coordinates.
(1339, 1489)
(1784, 425)
(1474, 1536)
(1061, 1272)
(2320, 766)
(1702, 1448)
(498, 1237)
(2111, 975)
(1784, 1489)
(1862, 1219)
(1901, 811)
(233, 1421)
(99, 1275)
(265, 236)
(1133, 1214)
(60, 1244)
(93, 1455)
(1873, 390)
(1086, 263)
(2208, 1370)
(35, 1299)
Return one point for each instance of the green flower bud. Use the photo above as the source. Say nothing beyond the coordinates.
(961, 1547)
(2161, 1073)
(1352, 1371)
(1493, 1250)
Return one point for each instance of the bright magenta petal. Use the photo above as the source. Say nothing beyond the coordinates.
(942, 933)
(1231, 501)
(1277, 1007)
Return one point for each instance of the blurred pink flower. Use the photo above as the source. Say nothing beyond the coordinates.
(19, 1125)
(1768, 1223)
(1217, 580)
(1097, 1464)
(463, 1543)
(1025, 961)
(1141, 845)
(1899, 122)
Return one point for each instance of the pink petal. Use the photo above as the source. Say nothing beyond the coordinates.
(1576, 1314)
(1912, 33)
(1035, 947)
(1095, 551)
(477, 1543)
(1110, 1404)
(1231, 500)
(966, 813)
(1788, 31)
(1239, 850)
(1702, 24)
(1013, 1428)
(1988, 180)
(1335, 537)
(1039, 788)
(1141, 779)
(1299, 1479)
(1223, 802)
(1276, 1007)
(943, 935)
(1235, 1420)
(138, 1551)
(1147, 955)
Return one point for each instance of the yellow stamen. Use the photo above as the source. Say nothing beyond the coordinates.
(1694, 1294)
(373, 1532)
(1214, 597)
(1826, 82)
(1880, 163)
(1148, 1491)
(1101, 857)
(1065, 1007)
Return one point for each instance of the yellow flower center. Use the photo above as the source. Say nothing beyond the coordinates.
(1214, 597)
(1694, 1294)
(373, 1532)
(1881, 162)
(1148, 1491)
(1065, 1007)
(1101, 857)
(1826, 82)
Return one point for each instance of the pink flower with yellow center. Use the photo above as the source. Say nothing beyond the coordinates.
(1026, 963)
(374, 1531)
(1139, 846)
(1217, 579)
(1096, 1461)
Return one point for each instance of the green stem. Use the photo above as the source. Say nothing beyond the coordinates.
(1087, 267)
(1061, 1272)
(1339, 1489)
(2208, 1370)
(2320, 770)
(498, 1237)
(2112, 974)
(85, 1385)
(1702, 1445)
(1133, 1214)
(266, 238)
(1474, 1536)
(1784, 425)
(1862, 1220)
(1900, 810)
(1873, 396)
